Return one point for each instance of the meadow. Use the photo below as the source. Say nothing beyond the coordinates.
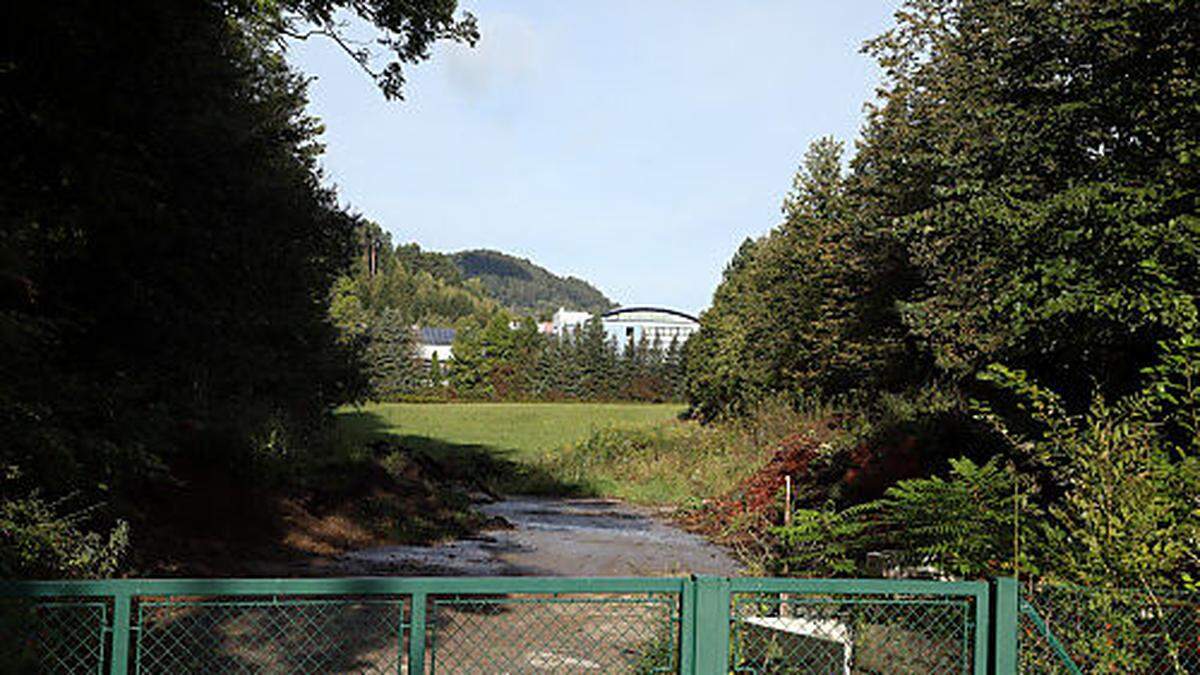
(523, 432)
(634, 451)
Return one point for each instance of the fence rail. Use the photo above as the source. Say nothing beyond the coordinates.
(532, 625)
(1072, 630)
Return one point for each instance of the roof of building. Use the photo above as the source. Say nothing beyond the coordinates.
(570, 315)
(616, 313)
(436, 336)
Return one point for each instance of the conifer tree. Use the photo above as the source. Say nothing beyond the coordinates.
(593, 349)
(391, 356)
(436, 375)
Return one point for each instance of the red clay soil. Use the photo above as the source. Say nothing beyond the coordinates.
(862, 474)
(758, 500)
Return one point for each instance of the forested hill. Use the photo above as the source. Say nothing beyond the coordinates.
(416, 286)
(527, 288)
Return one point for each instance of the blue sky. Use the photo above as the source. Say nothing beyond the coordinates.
(632, 144)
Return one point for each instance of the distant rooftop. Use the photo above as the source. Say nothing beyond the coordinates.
(436, 336)
(645, 312)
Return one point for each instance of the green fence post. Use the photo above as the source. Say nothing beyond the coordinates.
(1005, 603)
(120, 633)
(416, 634)
(687, 627)
(711, 638)
(981, 649)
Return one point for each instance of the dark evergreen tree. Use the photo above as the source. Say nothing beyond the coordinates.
(596, 360)
(167, 247)
(391, 357)
(437, 376)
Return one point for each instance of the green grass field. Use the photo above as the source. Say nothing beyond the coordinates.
(511, 445)
(522, 432)
(638, 452)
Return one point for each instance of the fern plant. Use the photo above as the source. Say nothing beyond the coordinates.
(972, 523)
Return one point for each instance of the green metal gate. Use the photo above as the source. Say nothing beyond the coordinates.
(518, 625)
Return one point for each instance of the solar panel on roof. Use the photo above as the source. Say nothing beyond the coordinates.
(437, 336)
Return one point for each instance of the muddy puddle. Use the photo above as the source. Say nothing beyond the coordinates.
(556, 537)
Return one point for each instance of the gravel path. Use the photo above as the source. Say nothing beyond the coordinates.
(557, 537)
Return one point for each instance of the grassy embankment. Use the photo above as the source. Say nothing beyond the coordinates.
(639, 452)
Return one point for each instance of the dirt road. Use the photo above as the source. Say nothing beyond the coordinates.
(557, 537)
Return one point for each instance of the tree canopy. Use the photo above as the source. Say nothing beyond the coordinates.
(527, 288)
(1012, 253)
(167, 243)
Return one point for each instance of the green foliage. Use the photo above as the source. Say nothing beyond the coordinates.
(422, 287)
(673, 462)
(403, 285)
(797, 313)
(167, 248)
(525, 288)
(391, 356)
(1102, 499)
(1036, 164)
(483, 359)
(1172, 390)
(39, 539)
(431, 288)
(821, 542)
(1025, 193)
(406, 30)
(501, 362)
(963, 524)
(1124, 511)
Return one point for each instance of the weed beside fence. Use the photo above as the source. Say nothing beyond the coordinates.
(1108, 630)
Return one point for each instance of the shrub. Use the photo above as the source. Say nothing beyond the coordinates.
(40, 539)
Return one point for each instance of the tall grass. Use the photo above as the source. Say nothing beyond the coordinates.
(678, 462)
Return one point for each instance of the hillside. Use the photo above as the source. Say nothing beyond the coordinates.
(527, 288)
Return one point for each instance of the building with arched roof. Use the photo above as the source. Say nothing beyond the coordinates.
(652, 324)
(633, 324)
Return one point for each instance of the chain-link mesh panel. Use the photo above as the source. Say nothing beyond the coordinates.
(808, 633)
(1126, 631)
(293, 635)
(1037, 655)
(55, 637)
(571, 634)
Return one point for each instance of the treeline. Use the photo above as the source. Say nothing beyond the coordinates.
(1001, 285)
(166, 253)
(496, 361)
(507, 359)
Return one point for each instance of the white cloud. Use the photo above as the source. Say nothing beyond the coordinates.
(509, 53)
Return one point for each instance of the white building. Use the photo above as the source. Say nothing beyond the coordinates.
(431, 341)
(654, 324)
(565, 322)
(631, 324)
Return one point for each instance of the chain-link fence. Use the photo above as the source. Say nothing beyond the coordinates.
(831, 633)
(1068, 629)
(538, 625)
(574, 633)
(270, 634)
(380, 625)
(68, 636)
